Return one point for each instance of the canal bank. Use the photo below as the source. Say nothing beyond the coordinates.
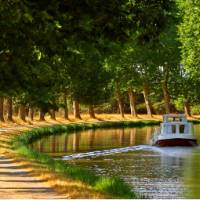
(50, 131)
(114, 187)
(155, 172)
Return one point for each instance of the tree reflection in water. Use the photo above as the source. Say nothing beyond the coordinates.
(93, 140)
(160, 173)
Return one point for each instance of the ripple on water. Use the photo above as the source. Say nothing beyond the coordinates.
(152, 173)
(169, 151)
(157, 188)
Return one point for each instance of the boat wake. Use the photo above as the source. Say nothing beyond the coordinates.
(164, 151)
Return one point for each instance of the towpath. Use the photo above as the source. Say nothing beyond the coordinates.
(16, 180)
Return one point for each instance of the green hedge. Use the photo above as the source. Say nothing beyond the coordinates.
(112, 186)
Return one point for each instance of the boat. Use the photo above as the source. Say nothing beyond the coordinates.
(175, 130)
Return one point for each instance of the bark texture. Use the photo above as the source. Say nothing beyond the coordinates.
(31, 114)
(66, 112)
(167, 97)
(2, 109)
(42, 114)
(76, 109)
(16, 110)
(9, 109)
(147, 99)
(91, 111)
(22, 112)
(132, 99)
(187, 107)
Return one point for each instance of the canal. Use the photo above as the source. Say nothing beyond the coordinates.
(154, 172)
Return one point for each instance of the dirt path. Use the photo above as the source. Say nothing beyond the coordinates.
(19, 180)
(16, 181)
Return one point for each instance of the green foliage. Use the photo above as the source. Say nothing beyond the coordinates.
(159, 107)
(195, 110)
(88, 77)
(59, 45)
(179, 102)
(83, 48)
(189, 33)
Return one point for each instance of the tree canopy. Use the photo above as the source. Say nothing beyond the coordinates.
(94, 51)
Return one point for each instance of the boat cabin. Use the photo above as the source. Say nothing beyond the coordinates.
(175, 124)
(175, 130)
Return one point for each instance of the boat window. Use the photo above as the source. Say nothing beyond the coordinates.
(173, 129)
(175, 119)
(181, 128)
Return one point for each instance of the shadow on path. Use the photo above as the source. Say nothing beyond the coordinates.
(16, 183)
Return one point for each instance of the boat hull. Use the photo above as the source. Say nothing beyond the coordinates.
(176, 142)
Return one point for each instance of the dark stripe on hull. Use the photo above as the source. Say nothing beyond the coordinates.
(176, 142)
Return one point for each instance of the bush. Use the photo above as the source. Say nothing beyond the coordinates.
(195, 110)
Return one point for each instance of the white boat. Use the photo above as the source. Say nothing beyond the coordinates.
(175, 130)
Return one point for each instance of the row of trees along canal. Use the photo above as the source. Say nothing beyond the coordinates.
(94, 52)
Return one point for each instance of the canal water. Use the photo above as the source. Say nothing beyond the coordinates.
(154, 172)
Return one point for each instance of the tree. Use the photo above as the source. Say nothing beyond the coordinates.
(189, 35)
(186, 91)
(88, 77)
(153, 40)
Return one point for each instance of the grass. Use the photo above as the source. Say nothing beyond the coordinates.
(194, 121)
(112, 186)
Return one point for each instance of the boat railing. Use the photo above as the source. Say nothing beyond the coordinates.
(174, 118)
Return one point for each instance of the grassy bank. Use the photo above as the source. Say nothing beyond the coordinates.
(112, 186)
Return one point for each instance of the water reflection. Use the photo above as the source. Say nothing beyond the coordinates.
(93, 140)
(192, 175)
(167, 172)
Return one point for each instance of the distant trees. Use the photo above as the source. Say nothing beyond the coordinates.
(90, 52)
(189, 34)
(40, 41)
(189, 37)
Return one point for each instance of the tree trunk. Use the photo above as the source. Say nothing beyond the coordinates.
(42, 114)
(187, 107)
(76, 109)
(53, 114)
(66, 113)
(91, 111)
(16, 110)
(27, 111)
(31, 114)
(147, 99)
(9, 109)
(1, 109)
(22, 112)
(166, 97)
(121, 108)
(119, 100)
(132, 99)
